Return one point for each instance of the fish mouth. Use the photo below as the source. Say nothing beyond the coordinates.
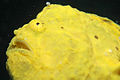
(19, 44)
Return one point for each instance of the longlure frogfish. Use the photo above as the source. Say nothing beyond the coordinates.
(63, 43)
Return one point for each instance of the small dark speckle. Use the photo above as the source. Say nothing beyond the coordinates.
(62, 27)
(119, 29)
(37, 23)
(105, 20)
(51, 78)
(117, 71)
(116, 48)
(72, 78)
(96, 37)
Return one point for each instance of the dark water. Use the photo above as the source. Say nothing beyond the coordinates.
(15, 13)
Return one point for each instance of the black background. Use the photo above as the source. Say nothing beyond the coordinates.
(16, 13)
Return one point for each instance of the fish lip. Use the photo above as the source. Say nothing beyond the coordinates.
(19, 44)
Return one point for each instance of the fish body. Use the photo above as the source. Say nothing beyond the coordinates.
(63, 43)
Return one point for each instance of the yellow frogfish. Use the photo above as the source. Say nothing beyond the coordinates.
(63, 43)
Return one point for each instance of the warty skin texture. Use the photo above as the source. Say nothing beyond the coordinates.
(63, 43)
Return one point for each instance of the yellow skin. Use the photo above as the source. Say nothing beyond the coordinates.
(63, 43)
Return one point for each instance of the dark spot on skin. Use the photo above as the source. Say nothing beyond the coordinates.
(96, 37)
(72, 78)
(62, 27)
(51, 78)
(117, 71)
(105, 20)
(87, 77)
(37, 23)
(119, 29)
(91, 19)
(116, 48)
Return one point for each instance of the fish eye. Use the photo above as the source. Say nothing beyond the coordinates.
(37, 23)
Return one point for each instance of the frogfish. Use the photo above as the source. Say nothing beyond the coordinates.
(63, 43)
